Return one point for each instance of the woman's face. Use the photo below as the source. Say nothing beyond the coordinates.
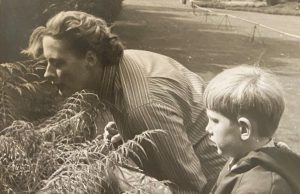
(67, 70)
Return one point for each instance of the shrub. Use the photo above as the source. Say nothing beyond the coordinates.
(61, 151)
(32, 154)
(24, 93)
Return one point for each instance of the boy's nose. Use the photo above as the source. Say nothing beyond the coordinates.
(208, 128)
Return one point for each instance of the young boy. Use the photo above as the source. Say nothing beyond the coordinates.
(244, 106)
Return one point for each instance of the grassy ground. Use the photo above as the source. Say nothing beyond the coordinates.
(207, 45)
(288, 8)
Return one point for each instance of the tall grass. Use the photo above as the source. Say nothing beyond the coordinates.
(64, 152)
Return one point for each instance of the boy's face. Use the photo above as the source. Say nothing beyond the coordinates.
(224, 133)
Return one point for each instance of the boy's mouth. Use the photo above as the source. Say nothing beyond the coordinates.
(211, 137)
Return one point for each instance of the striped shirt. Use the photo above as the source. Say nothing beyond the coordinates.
(151, 91)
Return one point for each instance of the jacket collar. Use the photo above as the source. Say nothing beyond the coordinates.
(241, 163)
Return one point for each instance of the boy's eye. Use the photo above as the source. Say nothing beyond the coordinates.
(215, 120)
(58, 64)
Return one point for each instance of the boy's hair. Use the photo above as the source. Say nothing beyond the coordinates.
(82, 32)
(247, 91)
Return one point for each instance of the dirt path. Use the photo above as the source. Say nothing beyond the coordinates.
(208, 44)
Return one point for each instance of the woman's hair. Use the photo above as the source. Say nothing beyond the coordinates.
(247, 91)
(82, 32)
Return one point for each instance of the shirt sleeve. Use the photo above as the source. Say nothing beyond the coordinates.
(172, 157)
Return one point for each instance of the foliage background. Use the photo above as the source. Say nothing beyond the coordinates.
(57, 146)
(19, 17)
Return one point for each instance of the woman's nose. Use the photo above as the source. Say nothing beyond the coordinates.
(50, 72)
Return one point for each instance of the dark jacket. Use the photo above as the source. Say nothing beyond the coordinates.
(269, 170)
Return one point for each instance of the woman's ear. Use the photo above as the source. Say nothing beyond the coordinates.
(91, 59)
(245, 128)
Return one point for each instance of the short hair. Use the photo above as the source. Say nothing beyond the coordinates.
(82, 32)
(247, 91)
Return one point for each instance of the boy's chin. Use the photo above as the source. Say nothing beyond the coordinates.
(60, 93)
(219, 150)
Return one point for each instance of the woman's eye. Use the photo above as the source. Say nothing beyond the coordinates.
(57, 63)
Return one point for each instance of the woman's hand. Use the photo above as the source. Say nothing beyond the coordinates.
(112, 134)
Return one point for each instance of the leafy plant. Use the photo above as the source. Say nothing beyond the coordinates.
(21, 85)
(89, 168)
(58, 147)
(27, 158)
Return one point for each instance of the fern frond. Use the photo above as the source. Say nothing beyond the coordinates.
(7, 109)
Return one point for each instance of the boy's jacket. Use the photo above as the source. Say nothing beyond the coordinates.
(283, 162)
(255, 167)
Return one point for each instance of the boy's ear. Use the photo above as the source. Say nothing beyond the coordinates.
(91, 59)
(245, 128)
